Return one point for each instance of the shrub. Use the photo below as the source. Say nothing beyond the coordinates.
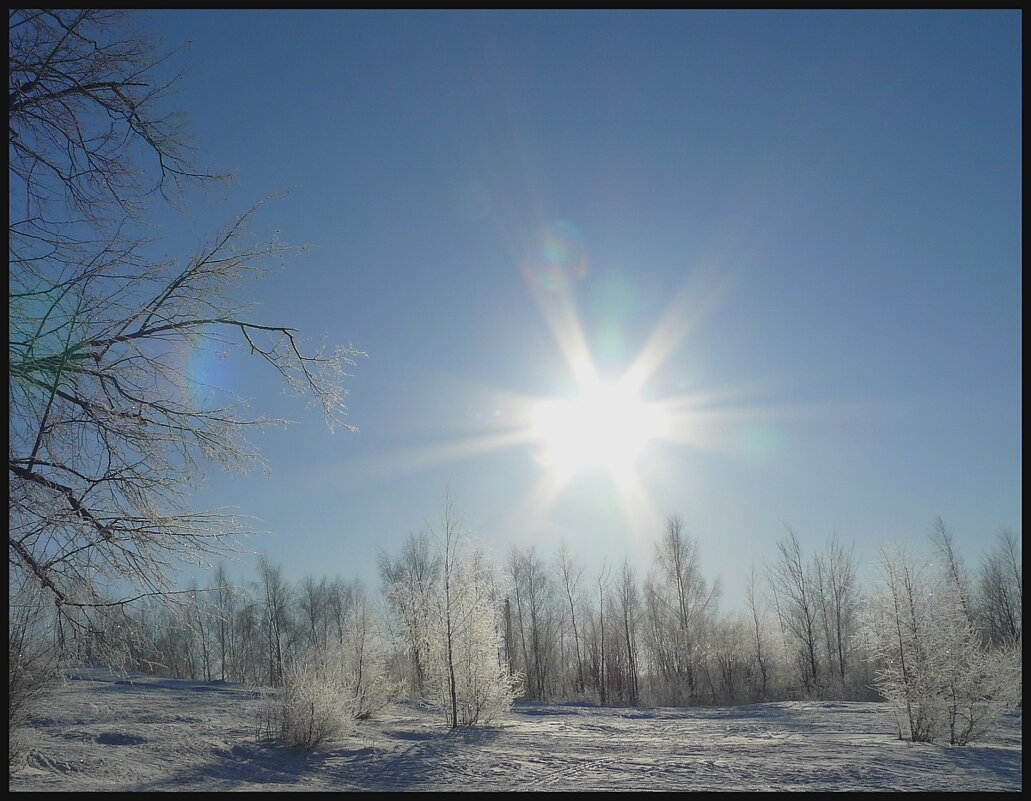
(32, 667)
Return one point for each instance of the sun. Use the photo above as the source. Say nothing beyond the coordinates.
(606, 425)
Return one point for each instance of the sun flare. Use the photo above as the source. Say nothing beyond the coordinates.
(606, 425)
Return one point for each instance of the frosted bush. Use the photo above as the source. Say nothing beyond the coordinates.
(328, 689)
(361, 661)
(937, 673)
(312, 707)
(33, 664)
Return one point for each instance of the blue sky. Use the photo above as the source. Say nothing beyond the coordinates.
(816, 214)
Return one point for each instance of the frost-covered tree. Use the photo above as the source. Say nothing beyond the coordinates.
(360, 649)
(729, 659)
(465, 673)
(313, 603)
(336, 680)
(407, 581)
(936, 671)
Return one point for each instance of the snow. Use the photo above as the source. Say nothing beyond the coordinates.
(106, 730)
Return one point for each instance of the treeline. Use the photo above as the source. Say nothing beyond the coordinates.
(938, 640)
(607, 635)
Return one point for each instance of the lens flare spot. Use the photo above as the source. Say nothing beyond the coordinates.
(558, 257)
(204, 373)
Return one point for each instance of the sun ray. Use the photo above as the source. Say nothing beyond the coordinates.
(686, 312)
(412, 460)
(638, 511)
(564, 324)
(542, 496)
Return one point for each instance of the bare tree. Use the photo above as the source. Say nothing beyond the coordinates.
(793, 582)
(202, 629)
(833, 577)
(534, 602)
(955, 570)
(1000, 591)
(841, 600)
(225, 608)
(274, 596)
(108, 430)
(601, 653)
(250, 654)
(727, 642)
(629, 601)
(679, 600)
(758, 632)
(313, 598)
(570, 574)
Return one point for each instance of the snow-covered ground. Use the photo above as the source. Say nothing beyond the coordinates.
(113, 731)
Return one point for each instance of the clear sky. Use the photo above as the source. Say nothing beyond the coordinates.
(795, 236)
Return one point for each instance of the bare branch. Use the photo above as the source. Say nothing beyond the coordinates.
(109, 433)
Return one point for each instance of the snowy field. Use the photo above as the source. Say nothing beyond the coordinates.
(105, 731)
